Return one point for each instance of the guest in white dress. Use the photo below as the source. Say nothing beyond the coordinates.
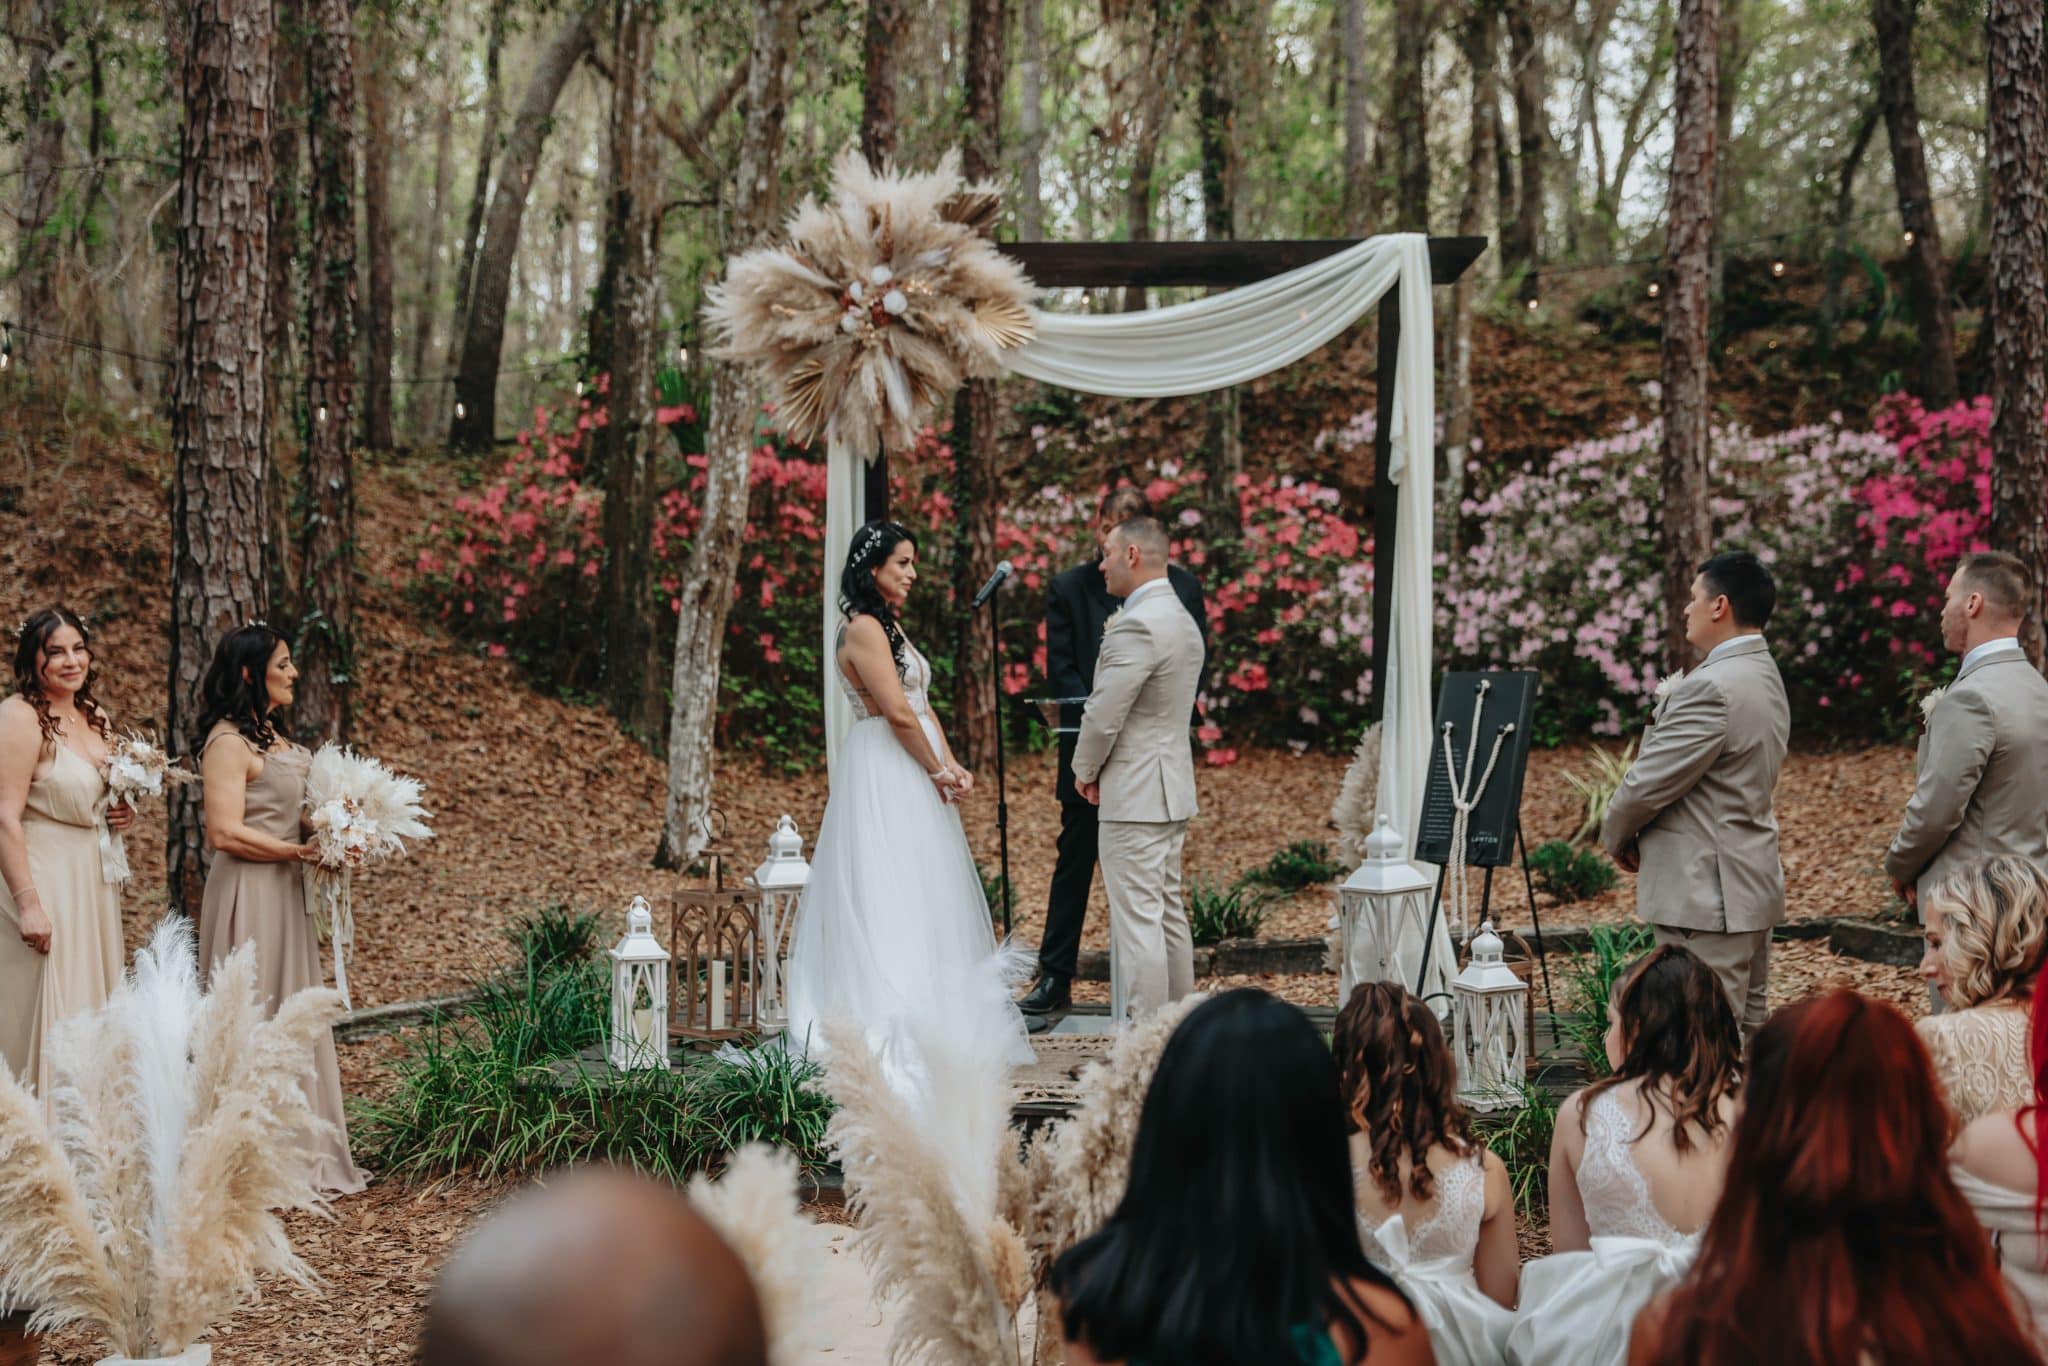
(1986, 924)
(1840, 1236)
(1435, 1208)
(1635, 1165)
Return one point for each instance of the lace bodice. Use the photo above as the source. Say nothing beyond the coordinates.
(1611, 1186)
(1450, 1235)
(1980, 1055)
(917, 680)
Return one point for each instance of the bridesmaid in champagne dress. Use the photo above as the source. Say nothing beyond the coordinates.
(255, 785)
(60, 919)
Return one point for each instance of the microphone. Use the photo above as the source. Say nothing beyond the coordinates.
(988, 590)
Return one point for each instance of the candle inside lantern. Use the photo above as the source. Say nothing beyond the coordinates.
(718, 993)
(645, 1029)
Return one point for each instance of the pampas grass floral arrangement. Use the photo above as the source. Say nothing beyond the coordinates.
(145, 1204)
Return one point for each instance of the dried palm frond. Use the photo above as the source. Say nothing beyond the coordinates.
(1358, 798)
(913, 1232)
(754, 1207)
(881, 303)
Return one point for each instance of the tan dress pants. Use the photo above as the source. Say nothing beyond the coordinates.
(1151, 952)
(1740, 959)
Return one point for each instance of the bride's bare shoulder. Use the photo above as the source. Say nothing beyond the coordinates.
(862, 629)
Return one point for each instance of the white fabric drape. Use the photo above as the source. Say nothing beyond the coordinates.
(1232, 338)
(846, 497)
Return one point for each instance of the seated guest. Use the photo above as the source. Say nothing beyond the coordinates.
(1635, 1164)
(1265, 1266)
(1435, 1205)
(597, 1266)
(1840, 1236)
(1985, 923)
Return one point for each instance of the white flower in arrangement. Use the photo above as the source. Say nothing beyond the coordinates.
(894, 303)
(361, 813)
(1667, 683)
(850, 323)
(1929, 703)
(136, 768)
(881, 275)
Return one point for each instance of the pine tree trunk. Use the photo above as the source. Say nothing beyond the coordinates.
(1727, 82)
(425, 404)
(2018, 84)
(715, 550)
(1479, 39)
(476, 382)
(325, 648)
(285, 396)
(1155, 104)
(218, 428)
(1411, 113)
(632, 245)
(1687, 526)
(379, 341)
(1218, 25)
(1031, 123)
(42, 186)
(975, 419)
(1357, 120)
(479, 190)
(1838, 234)
(884, 35)
(1933, 311)
(1523, 247)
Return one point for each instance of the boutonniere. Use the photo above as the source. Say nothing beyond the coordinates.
(1666, 684)
(1929, 703)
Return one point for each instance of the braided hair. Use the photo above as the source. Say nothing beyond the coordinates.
(873, 544)
(28, 672)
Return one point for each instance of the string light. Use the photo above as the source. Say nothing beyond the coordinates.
(1778, 268)
(1533, 304)
(321, 416)
(1655, 289)
(682, 353)
(6, 344)
(460, 411)
(579, 388)
(1909, 237)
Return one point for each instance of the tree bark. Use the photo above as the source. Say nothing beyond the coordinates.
(325, 648)
(287, 185)
(1479, 38)
(1687, 525)
(425, 399)
(1357, 120)
(379, 340)
(1154, 109)
(476, 382)
(1838, 234)
(1933, 311)
(633, 263)
(883, 36)
(218, 428)
(1218, 25)
(2017, 66)
(479, 192)
(1411, 113)
(37, 257)
(1031, 123)
(715, 550)
(1523, 247)
(1727, 79)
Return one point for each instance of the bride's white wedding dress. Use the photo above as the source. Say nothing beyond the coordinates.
(893, 934)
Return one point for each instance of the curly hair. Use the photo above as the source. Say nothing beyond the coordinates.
(1399, 1084)
(873, 544)
(1679, 1038)
(1995, 926)
(234, 688)
(28, 674)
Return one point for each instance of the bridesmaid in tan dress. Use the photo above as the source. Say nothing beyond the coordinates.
(60, 919)
(255, 787)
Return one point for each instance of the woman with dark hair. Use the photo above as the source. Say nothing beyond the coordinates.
(1234, 1241)
(1635, 1163)
(1840, 1237)
(60, 918)
(894, 933)
(254, 781)
(1435, 1206)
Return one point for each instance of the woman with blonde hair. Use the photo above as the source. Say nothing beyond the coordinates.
(1986, 926)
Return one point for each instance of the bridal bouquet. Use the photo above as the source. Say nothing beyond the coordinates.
(361, 813)
(136, 768)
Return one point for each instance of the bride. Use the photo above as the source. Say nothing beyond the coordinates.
(894, 933)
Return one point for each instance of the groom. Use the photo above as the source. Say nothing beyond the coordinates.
(1133, 759)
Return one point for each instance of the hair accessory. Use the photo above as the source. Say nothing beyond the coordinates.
(868, 541)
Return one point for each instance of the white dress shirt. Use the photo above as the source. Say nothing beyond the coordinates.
(2002, 645)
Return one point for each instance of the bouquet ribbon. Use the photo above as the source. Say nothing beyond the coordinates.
(113, 848)
(329, 904)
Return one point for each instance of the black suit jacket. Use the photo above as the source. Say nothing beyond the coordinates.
(1077, 606)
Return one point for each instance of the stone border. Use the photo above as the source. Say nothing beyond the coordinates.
(389, 1019)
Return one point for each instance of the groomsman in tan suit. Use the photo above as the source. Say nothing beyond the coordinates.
(1983, 785)
(1695, 815)
(1133, 759)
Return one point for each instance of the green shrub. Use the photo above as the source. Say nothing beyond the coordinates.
(1217, 912)
(1571, 874)
(1304, 863)
(1521, 1139)
(1591, 977)
(554, 935)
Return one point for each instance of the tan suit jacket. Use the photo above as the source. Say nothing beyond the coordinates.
(1983, 785)
(1698, 801)
(1134, 733)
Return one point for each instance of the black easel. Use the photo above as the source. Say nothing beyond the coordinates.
(1436, 905)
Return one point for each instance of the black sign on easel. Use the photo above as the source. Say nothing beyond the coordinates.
(1509, 701)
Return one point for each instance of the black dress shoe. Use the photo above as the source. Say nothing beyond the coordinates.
(1052, 993)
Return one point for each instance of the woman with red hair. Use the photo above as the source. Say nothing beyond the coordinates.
(1840, 1239)
(2002, 1170)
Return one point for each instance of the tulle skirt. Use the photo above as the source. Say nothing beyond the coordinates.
(1577, 1308)
(893, 933)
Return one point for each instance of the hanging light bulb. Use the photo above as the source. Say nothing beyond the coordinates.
(460, 411)
(1909, 237)
(1532, 305)
(1655, 289)
(6, 345)
(579, 388)
(682, 353)
(1778, 268)
(321, 416)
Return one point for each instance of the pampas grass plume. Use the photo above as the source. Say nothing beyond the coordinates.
(754, 1207)
(1358, 799)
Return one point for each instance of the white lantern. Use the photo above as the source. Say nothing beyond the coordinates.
(1382, 909)
(637, 1036)
(781, 880)
(1490, 1012)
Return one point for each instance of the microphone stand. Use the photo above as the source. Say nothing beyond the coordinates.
(995, 679)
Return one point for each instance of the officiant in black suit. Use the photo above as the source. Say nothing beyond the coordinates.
(1077, 605)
